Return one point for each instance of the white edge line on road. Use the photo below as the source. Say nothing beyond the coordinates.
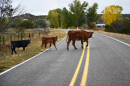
(28, 59)
(114, 39)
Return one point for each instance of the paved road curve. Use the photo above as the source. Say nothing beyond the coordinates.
(109, 65)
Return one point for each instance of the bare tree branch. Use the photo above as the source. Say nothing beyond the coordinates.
(6, 12)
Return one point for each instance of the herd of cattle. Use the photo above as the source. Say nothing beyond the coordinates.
(74, 35)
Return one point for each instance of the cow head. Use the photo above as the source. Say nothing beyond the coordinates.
(91, 35)
(28, 41)
(57, 38)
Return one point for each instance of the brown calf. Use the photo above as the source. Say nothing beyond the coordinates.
(46, 40)
(78, 35)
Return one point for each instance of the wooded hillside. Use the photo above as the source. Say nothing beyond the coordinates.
(34, 18)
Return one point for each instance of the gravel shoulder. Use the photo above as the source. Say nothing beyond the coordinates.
(122, 37)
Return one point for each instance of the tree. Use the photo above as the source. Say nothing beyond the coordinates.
(6, 11)
(111, 13)
(58, 10)
(126, 26)
(26, 24)
(92, 15)
(41, 24)
(78, 10)
(71, 20)
(16, 22)
(67, 19)
(53, 18)
(64, 18)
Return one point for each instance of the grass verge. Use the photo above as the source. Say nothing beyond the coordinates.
(7, 60)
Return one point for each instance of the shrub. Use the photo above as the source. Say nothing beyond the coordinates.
(92, 25)
(117, 25)
(41, 24)
(126, 26)
(109, 28)
(26, 24)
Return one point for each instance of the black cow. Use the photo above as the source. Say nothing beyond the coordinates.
(21, 43)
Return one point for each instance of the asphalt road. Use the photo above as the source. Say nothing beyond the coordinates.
(109, 65)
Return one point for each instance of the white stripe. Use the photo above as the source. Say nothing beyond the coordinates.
(115, 39)
(27, 60)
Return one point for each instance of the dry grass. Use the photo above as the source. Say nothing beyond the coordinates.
(7, 60)
(121, 37)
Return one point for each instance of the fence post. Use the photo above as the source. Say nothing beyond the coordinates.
(18, 35)
(39, 33)
(45, 30)
(3, 39)
(21, 36)
(24, 35)
(48, 30)
(10, 37)
(0, 39)
(33, 35)
(29, 35)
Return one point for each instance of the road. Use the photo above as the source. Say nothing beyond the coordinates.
(109, 65)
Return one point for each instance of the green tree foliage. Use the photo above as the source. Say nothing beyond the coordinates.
(67, 19)
(58, 10)
(16, 22)
(126, 26)
(64, 18)
(26, 24)
(120, 26)
(92, 15)
(7, 11)
(78, 10)
(41, 24)
(71, 20)
(53, 18)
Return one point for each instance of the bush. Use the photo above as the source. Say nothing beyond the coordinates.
(41, 24)
(92, 25)
(120, 26)
(26, 24)
(126, 26)
(117, 25)
(109, 28)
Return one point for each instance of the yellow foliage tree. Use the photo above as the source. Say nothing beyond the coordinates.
(111, 13)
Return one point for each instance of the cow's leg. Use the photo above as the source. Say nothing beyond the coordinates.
(42, 47)
(81, 44)
(68, 44)
(87, 43)
(54, 45)
(73, 43)
(14, 50)
(45, 46)
(50, 46)
(23, 48)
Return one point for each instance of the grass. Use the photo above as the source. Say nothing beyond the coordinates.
(7, 60)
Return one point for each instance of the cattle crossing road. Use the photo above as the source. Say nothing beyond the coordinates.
(106, 62)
